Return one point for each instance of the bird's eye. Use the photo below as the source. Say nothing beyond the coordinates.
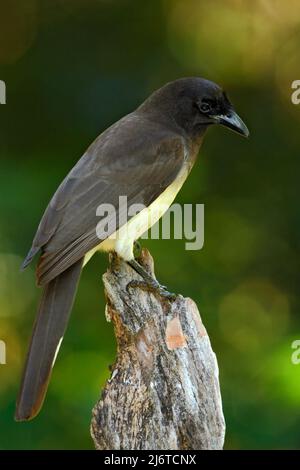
(205, 107)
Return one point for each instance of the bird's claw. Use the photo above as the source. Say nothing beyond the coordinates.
(134, 283)
(166, 294)
(155, 288)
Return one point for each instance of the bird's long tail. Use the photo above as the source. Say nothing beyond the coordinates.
(50, 325)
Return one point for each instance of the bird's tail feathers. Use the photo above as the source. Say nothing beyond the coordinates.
(50, 325)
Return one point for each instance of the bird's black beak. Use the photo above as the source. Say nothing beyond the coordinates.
(233, 121)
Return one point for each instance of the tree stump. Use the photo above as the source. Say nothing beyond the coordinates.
(163, 393)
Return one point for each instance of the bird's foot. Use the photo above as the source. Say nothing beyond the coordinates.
(153, 287)
(148, 283)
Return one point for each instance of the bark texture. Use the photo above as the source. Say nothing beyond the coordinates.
(164, 389)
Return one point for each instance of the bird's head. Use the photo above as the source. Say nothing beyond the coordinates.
(195, 103)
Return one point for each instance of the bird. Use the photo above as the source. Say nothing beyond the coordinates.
(146, 156)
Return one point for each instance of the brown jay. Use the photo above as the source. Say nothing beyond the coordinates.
(145, 156)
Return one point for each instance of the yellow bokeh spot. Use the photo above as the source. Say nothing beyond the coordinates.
(254, 315)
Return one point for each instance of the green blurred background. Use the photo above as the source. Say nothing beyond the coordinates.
(74, 67)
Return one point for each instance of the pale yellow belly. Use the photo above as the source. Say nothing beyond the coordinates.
(122, 240)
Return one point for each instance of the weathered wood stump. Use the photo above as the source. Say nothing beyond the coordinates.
(164, 389)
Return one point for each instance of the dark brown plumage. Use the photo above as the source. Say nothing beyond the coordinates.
(140, 156)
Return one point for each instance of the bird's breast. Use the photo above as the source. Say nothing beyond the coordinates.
(123, 239)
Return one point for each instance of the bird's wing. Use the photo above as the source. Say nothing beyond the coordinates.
(134, 158)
